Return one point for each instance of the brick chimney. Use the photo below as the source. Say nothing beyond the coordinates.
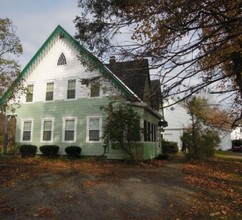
(112, 60)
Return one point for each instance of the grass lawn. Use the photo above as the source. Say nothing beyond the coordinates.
(229, 155)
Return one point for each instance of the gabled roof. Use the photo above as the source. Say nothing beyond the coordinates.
(59, 31)
(135, 74)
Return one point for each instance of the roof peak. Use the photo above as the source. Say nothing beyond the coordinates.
(84, 52)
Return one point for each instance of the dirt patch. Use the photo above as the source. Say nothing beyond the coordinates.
(101, 191)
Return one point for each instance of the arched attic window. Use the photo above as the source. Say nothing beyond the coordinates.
(61, 60)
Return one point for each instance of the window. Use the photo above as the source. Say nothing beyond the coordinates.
(29, 95)
(154, 133)
(150, 130)
(95, 89)
(94, 129)
(145, 131)
(47, 130)
(61, 60)
(71, 89)
(27, 130)
(49, 91)
(69, 130)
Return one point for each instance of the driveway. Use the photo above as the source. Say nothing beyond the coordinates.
(114, 192)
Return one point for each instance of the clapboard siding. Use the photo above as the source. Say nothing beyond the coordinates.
(48, 71)
(43, 68)
(58, 110)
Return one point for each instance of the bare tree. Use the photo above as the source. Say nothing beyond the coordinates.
(195, 44)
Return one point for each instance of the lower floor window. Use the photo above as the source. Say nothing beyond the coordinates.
(150, 130)
(47, 126)
(69, 129)
(94, 129)
(27, 130)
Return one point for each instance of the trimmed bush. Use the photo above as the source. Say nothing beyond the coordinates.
(49, 150)
(162, 157)
(237, 142)
(73, 151)
(169, 147)
(27, 150)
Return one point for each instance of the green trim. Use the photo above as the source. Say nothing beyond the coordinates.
(91, 58)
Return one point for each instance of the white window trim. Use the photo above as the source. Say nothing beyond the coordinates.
(66, 99)
(52, 81)
(42, 129)
(29, 84)
(96, 97)
(63, 129)
(87, 129)
(22, 129)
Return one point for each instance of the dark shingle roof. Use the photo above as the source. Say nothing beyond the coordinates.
(135, 75)
(155, 93)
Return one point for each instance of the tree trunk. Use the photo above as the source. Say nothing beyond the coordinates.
(237, 69)
(194, 138)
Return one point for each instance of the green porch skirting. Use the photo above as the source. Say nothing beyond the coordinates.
(141, 151)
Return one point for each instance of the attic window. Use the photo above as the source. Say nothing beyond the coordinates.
(61, 60)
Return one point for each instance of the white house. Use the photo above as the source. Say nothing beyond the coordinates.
(178, 119)
(60, 109)
(237, 133)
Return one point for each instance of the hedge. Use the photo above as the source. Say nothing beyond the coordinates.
(27, 150)
(73, 151)
(49, 150)
(169, 147)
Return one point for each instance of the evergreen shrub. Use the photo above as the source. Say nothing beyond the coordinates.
(73, 151)
(27, 150)
(169, 147)
(49, 150)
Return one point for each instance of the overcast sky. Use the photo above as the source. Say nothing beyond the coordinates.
(36, 19)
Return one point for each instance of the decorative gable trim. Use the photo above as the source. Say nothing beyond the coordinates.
(59, 32)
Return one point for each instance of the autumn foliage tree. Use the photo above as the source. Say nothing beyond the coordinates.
(122, 128)
(202, 136)
(10, 48)
(195, 44)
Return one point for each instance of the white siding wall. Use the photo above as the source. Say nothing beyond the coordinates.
(178, 119)
(48, 71)
(225, 143)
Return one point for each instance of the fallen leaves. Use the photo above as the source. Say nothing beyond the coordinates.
(91, 183)
(220, 187)
(7, 210)
(44, 213)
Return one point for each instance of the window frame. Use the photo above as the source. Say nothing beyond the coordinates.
(31, 130)
(61, 60)
(150, 131)
(88, 129)
(63, 129)
(92, 85)
(42, 130)
(28, 93)
(53, 93)
(67, 89)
